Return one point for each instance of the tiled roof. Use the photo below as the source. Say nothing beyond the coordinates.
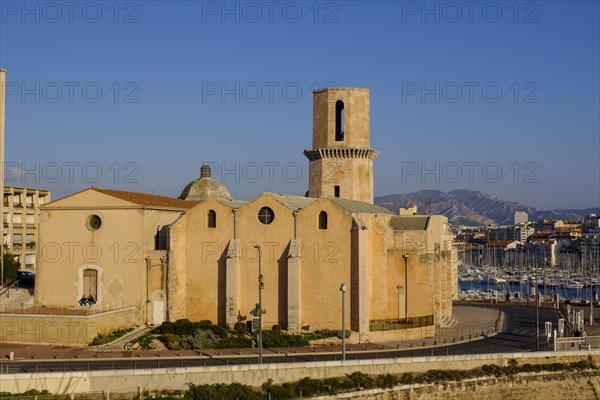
(144, 199)
(409, 222)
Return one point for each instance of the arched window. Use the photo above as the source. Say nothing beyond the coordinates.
(339, 121)
(212, 219)
(322, 220)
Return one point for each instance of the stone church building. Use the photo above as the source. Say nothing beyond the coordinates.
(198, 256)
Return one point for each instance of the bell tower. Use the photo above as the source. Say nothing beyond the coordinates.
(341, 160)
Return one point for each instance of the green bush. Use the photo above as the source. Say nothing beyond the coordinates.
(29, 393)
(11, 267)
(273, 340)
(114, 335)
(310, 387)
(234, 391)
(99, 340)
(240, 328)
(361, 380)
(386, 381)
(164, 328)
(219, 331)
(276, 329)
(145, 341)
(204, 325)
(184, 327)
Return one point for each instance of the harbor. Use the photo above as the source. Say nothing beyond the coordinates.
(522, 284)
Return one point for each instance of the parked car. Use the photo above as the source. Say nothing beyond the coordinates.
(26, 277)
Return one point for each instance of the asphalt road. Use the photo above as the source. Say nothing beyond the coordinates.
(517, 335)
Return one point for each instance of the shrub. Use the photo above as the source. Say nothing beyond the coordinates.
(171, 341)
(234, 391)
(310, 387)
(234, 342)
(218, 330)
(100, 339)
(184, 327)
(29, 393)
(276, 329)
(165, 327)
(386, 381)
(146, 341)
(361, 380)
(240, 328)
(273, 340)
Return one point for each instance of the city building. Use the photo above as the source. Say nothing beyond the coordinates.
(590, 241)
(521, 217)
(522, 232)
(198, 257)
(20, 223)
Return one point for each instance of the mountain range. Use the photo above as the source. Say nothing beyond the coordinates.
(475, 208)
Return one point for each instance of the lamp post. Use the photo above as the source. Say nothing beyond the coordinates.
(260, 312)
(343, 290)
(537, 311)
(399, 293)
(405, 257)
(591, 296)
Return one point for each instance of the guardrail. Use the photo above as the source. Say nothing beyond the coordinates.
(577, 343)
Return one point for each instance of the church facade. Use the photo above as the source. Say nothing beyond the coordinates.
(198, 257)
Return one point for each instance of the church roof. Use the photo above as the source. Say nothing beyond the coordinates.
(292, 202)
(205, 188)
(356, 206)
(144, 199)
(409, 222)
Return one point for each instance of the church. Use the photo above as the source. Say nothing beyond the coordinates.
(198, 256)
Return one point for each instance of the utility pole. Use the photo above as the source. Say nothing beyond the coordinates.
(2, 125)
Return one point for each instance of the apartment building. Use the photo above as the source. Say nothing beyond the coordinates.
(20, 228)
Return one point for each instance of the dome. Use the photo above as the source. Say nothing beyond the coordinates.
(205, 188)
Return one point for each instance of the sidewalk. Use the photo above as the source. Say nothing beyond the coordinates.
(468, 323)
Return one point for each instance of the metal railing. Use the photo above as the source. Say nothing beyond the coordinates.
(401, 323)
(577, 343)
(6, 288)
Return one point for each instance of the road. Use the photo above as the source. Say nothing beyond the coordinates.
(517, 335)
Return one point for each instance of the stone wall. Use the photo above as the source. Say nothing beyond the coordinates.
(64, 329)
(254, 375)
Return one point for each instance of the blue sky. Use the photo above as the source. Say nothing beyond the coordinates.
(502, 97)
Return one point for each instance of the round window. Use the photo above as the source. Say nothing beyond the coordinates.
(94, 222)
(266, 215)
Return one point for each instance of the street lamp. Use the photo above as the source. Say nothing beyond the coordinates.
(537, 311)
(405, 257)
(260, 312)
(343, 290)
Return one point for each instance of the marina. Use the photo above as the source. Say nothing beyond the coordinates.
(566, 286)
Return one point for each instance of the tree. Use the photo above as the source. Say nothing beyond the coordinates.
(11, 266)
